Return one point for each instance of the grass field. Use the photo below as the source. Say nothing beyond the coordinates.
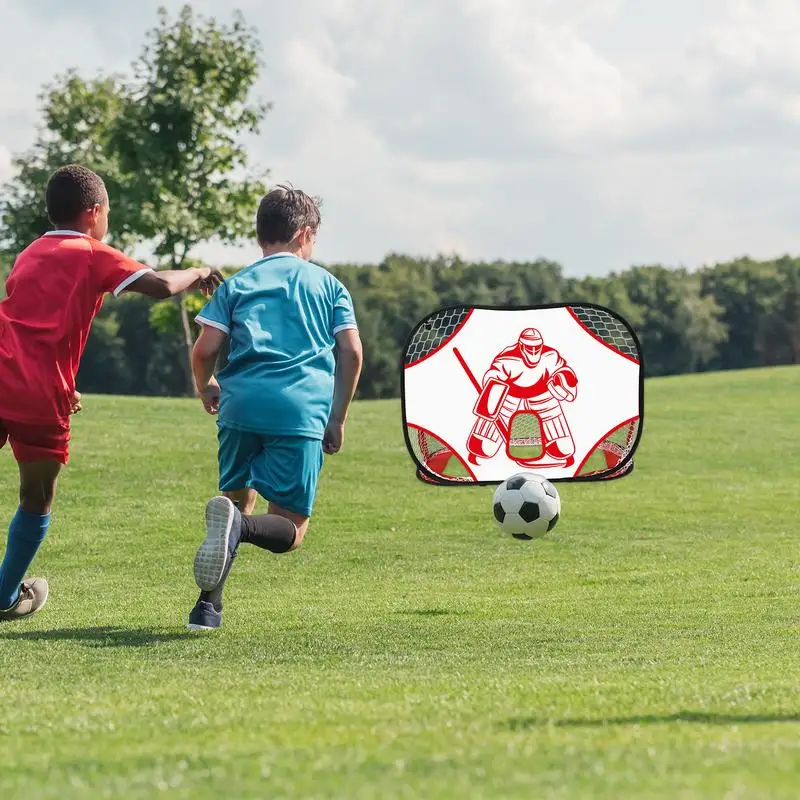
(649, 647)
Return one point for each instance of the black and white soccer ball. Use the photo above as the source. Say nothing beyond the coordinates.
(526, 506)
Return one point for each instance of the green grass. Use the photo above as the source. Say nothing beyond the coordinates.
(647, 648)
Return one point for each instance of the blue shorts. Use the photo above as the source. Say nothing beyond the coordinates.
(282, 469)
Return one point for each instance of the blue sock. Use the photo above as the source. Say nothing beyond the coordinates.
(25, 535)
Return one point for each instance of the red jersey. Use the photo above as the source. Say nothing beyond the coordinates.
(525, 381)
(54, 292)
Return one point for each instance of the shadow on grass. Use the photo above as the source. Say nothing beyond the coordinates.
(105, 636)
(696, 717)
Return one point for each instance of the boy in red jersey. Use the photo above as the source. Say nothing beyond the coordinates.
(54, 291)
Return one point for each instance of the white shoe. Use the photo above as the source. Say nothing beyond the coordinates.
(223, 528)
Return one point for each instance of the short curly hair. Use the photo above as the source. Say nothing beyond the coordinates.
(71, 190)
(283, 211)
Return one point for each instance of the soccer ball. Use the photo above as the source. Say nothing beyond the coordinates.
(526, 505)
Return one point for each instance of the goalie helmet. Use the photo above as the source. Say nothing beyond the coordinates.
(530, 345)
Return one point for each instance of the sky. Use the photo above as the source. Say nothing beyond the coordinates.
(596, 133)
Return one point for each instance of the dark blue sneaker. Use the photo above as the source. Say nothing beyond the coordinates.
(223, 531)
(204, 617)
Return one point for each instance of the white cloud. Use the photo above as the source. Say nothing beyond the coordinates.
(563, 89)
(595, 132)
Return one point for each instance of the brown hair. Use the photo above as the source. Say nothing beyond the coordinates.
(283, 211)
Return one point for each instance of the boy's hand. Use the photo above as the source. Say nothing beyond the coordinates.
(210, 397)
(208, 280)
(75, 403)
(334, 438)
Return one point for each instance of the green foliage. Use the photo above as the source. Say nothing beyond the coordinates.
(165, 316)
(77, 126)
(724, 317)
(779, 333)
(761, 308)
(179, 136)
(391, 298)
(679, 328)
(6, 262)
(166, 139)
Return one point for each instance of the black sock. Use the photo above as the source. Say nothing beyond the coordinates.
(215, 595)
(269, 532)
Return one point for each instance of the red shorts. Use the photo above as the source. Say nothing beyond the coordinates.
(46, 442)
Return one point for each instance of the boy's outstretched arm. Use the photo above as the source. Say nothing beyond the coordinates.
(349, 358)
(204, 358)
(163, 284)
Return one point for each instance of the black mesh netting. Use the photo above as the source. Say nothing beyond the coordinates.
(609, 328)
(433, 332)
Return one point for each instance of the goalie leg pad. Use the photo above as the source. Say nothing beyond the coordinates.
(558, 441)
(485, 439)
(511, 405)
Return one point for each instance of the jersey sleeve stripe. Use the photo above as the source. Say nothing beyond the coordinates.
(129, 280)
(348, 326)
(212, 324)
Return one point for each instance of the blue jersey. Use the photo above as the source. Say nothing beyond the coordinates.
(281, 315)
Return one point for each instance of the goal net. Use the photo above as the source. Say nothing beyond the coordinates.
(608, 459)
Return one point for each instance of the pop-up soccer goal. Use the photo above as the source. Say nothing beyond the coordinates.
(487, 392)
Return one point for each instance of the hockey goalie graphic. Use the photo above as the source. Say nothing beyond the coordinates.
(554, 389)
(529, 376)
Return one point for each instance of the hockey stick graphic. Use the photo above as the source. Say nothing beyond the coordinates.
(465, 367)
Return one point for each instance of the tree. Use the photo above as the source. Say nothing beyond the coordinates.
(789, 305)
(778, 334)
(680, 328)
(180, 138)
(741, 289)
(103, 366)
(167, 140)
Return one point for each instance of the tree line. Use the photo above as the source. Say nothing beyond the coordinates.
(731, 315)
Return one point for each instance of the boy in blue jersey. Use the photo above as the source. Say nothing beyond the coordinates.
(283, 397)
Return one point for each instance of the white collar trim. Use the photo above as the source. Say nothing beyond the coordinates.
(66, 233)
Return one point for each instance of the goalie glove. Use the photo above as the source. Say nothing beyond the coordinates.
(564, 385)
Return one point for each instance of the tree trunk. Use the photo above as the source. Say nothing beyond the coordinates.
(186, 325)
(188, 341)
